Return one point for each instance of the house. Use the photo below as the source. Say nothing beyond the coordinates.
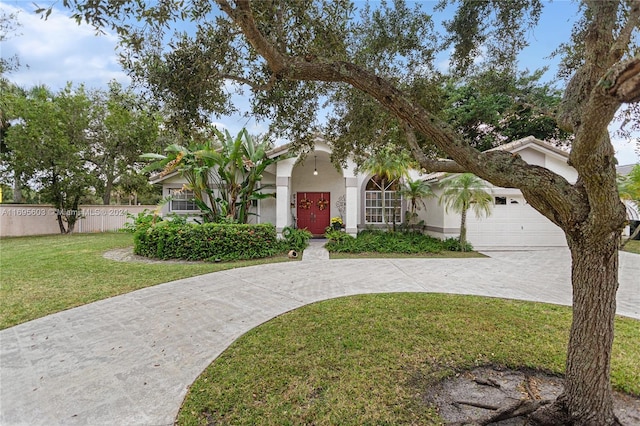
(309, 190)
(513, 222)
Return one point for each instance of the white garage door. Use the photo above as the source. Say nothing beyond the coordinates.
(513, 224)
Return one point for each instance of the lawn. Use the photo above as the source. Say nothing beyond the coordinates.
(362, 359)
(371, 359)
(633, 246)
(47, 274)
(42, 275)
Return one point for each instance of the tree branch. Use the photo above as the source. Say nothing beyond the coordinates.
(242, 15)
(500, 168)
(425, 162)
(623, 81)
(624, 37)
(257, 87)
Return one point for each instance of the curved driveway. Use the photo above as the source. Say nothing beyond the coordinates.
(129, 360)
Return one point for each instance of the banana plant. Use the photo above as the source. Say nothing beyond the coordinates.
(224, 173)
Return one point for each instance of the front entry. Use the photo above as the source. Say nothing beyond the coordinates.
(313, 211)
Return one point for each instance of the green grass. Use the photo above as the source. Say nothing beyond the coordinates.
(633, 246)
(356, 360)
(370, 359)
(47, 274)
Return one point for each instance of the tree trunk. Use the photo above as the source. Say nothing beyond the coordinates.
(106, 197)
(17, 187)
(63, 230)
(463, 230)
(587, 398)
(73, 218)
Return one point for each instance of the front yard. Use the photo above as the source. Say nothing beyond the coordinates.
(47, 274)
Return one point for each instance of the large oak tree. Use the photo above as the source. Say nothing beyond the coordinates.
(288, 53)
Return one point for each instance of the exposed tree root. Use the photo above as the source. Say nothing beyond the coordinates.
(489, 395)
(557, 414)
(520, 408)
(489, 381)
(553, 414)
(477, 405)
(531, 388)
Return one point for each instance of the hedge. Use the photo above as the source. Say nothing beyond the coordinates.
(209, 241)
(390, 242)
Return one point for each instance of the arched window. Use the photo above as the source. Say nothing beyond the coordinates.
(382, 201)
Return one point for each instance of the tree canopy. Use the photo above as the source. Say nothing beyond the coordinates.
(122, 127)
(47, 144)
(73, 144)
(290, 55)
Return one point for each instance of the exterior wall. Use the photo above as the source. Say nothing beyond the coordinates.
(284, 197)
(550, 160)
(515, 224)
(440, 224)
(18, 220)
(174, 182)
(363, 180)
(532, 156)
(265, 212)
(266, 207)
(560, 167)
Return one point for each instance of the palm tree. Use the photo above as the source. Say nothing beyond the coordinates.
(388, 165)
(463, 192)
(415, 191)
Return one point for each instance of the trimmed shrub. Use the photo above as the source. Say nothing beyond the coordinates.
(389, 242)
(209, 241)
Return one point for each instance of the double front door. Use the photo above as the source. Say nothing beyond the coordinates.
(313, 211)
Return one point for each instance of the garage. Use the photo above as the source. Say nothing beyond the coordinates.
(513, 223)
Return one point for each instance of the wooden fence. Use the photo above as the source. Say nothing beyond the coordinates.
(37, 219)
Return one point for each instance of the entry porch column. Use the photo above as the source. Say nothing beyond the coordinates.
(351, 201)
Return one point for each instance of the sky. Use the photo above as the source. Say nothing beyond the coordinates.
(57, 51)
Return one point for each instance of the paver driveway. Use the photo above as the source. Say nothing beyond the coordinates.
(129, 360)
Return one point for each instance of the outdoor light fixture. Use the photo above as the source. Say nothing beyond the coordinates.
(315, 165)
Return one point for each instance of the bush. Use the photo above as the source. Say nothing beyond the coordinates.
(142, 220)
(174, 239)
(296, 239)
(337, 236)
(376, 241)
(453, 244)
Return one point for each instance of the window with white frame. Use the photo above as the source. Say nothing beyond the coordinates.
(182, 200)
(382, 201)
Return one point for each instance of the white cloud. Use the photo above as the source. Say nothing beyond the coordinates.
(58, 50)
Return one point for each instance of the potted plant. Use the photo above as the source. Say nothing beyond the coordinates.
(337, 223)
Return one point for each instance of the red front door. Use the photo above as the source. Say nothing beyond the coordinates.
(313, 211)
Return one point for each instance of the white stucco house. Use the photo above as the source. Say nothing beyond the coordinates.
(310, 191)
